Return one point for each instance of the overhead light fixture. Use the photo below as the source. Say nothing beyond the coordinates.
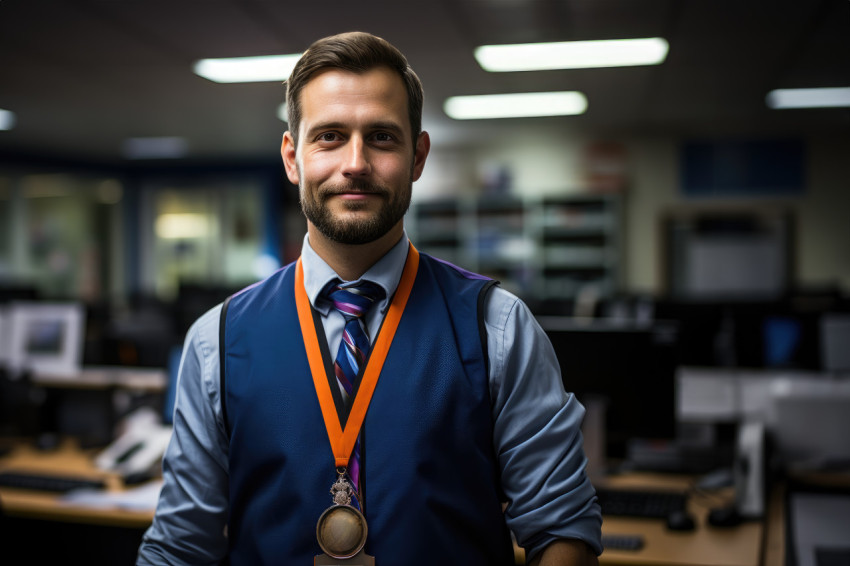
(523, 105)
(808, 98)
(7, 119)
(572, 54)
(155, 148)
(247, 69)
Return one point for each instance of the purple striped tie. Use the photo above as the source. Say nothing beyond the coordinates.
(353, 301)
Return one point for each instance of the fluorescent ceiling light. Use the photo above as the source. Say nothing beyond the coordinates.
(155, 148)
(808, 98)
(7, 119)
(531, 104)
(247, 69)
(572, 54)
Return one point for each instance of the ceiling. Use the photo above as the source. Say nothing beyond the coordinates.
(84, 75)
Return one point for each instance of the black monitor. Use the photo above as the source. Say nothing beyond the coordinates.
(631, 367)
(781, 334)
(10, 292)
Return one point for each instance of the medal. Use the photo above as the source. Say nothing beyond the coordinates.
(341, 530)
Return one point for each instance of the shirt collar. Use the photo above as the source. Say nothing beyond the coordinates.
(386, 272)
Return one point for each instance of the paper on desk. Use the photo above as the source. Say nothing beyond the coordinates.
(142, 498)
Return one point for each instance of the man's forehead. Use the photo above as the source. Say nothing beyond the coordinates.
(337, 95)
(377, 80)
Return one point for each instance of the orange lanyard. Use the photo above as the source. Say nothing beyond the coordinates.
(343, 440)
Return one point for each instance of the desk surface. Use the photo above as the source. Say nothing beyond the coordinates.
(99, 377)
(65, 460)
(706, 545)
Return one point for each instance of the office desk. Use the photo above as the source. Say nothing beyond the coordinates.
(104, 377)
(706, 545)
(41, 528)
(67, 459)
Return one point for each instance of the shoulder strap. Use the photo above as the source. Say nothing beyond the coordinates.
(222, 392)
(482, 327)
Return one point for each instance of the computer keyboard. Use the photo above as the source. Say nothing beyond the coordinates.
(653, 504)
(622, 542)
(51, 483)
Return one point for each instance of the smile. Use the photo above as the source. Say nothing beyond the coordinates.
(354, 193)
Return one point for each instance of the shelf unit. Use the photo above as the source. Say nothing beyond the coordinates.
(543, 248)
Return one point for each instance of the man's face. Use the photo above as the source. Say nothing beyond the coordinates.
(355, 163)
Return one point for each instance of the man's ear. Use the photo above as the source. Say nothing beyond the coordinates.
(287, 152)
(420, 154)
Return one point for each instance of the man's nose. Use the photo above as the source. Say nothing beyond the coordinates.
(356, 162)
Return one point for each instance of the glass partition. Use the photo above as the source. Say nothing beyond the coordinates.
(208, 234)
(61, 234)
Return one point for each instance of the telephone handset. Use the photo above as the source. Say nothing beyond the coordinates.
(139, 449)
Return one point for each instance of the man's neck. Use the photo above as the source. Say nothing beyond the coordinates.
(351, 261)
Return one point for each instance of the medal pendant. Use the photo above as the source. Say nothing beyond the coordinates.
(341, 530)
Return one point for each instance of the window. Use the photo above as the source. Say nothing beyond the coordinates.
(202, 233)
(61, 234)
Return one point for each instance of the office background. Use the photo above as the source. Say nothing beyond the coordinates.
(679, 216)
(92, 83)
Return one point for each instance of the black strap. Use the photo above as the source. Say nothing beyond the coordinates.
(342, 410)
(222, 392)
(482, 327)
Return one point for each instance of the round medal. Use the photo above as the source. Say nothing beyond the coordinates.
(341, 531)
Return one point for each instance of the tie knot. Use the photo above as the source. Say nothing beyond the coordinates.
(354, 299)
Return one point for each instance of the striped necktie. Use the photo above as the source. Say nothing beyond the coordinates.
(353, 300)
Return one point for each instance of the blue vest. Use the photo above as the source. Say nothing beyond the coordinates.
(430, 482)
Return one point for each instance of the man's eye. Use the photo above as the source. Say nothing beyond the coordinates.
(383, 137)
(328, 137)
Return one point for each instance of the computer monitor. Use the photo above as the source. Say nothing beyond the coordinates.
(5, 337)
(745, 334)
(630, 368)
(45, 338)
(11, 292)
(834, 341)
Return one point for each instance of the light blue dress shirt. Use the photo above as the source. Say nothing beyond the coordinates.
(536, 429)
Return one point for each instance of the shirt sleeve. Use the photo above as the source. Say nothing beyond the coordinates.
(537, 433)
(189, 524)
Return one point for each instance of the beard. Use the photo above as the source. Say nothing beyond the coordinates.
(355, 231)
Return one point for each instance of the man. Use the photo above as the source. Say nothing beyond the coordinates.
(453, 430)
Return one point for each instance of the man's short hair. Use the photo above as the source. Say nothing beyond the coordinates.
(357, 52)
